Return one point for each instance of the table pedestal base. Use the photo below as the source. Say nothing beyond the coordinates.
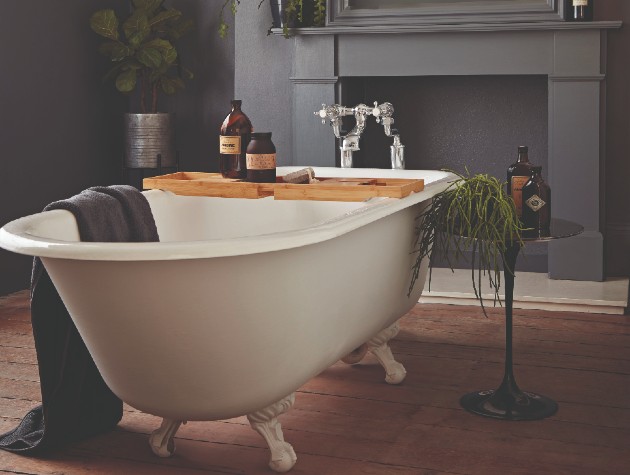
(503, 405)
(508, 402)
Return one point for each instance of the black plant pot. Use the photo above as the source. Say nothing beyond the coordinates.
(279, 17)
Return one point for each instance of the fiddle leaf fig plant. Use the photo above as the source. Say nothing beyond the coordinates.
(142, 49)
(474, 214)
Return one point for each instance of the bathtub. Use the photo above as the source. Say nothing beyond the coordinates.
(240, 303)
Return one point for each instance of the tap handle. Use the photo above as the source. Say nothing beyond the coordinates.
(322, 113)
(383, 110)
(325, 111)
(376, 112)
(333, 112)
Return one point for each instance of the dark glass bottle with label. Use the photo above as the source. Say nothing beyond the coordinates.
(517, 175)
(578, 10)
(536, 205)
(235, 134)
(261, 158)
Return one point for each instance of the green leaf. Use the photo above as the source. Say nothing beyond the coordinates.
(137, 26)
(164, 16)
(112, 73)
(116, 50)
(157, 74)
(166, 48)
(126, 81)
(223, 29)
(120, 52)
(149, 6)
(171, 85)
(319, 17)
(169, 55)
(150, 57)
(105, 23)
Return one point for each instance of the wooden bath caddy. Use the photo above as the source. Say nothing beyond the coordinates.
(327, 189)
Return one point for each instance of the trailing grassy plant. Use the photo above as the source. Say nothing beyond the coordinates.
(473, 215)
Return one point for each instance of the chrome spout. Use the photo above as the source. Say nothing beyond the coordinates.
(350, 142)
(385, 113)
(397, 154)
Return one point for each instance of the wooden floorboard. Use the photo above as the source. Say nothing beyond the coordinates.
(349, 421)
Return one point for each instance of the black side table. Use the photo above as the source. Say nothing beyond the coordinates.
(509, 402)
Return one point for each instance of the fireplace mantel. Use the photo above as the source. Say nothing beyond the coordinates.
(571, 55)
(460, 27)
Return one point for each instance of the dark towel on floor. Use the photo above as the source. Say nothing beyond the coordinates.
(76, 402)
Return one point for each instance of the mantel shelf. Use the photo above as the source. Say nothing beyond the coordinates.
(451, 28)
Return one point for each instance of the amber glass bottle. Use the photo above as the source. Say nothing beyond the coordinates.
(235, 134)
(536, 205)
(261, 158)
(517, 175)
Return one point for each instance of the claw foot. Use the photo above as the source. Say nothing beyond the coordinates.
(161, 440)
(356, 355)
(265, 422)
(394, 371)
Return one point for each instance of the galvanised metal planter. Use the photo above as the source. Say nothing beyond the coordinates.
(146, 136)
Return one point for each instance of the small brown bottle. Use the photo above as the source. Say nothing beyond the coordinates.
(261, 158)
(517, 175)
(536, 205)
(235, 133)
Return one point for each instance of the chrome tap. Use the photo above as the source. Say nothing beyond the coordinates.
(350, 141)
(384, 113)
(334, 113)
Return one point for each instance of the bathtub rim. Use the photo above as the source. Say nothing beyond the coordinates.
(14, 236)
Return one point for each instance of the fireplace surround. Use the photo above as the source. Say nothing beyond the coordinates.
(571, 55)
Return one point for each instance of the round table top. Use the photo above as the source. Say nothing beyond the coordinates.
(560, 228)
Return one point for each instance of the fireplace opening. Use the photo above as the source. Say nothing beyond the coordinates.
(459, 123)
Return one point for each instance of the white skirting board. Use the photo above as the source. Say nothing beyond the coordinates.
(532, 290)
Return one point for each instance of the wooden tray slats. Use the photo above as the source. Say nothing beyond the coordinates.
(328, 189)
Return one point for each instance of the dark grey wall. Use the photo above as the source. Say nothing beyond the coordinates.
(617, 164)
(204, 104)
(61, 126)
(58, 120)
(261, 76)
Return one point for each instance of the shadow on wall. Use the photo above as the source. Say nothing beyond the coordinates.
(65, 123)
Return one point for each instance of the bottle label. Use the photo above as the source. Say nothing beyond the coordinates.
(535, 202)
(260, 161)
(518, 182)
(230, 144)
(580, 3)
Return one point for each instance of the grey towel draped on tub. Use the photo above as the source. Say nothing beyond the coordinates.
(76, 402)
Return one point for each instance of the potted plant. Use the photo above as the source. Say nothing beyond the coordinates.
(145, 59)
(474, 214)
(285, 14)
